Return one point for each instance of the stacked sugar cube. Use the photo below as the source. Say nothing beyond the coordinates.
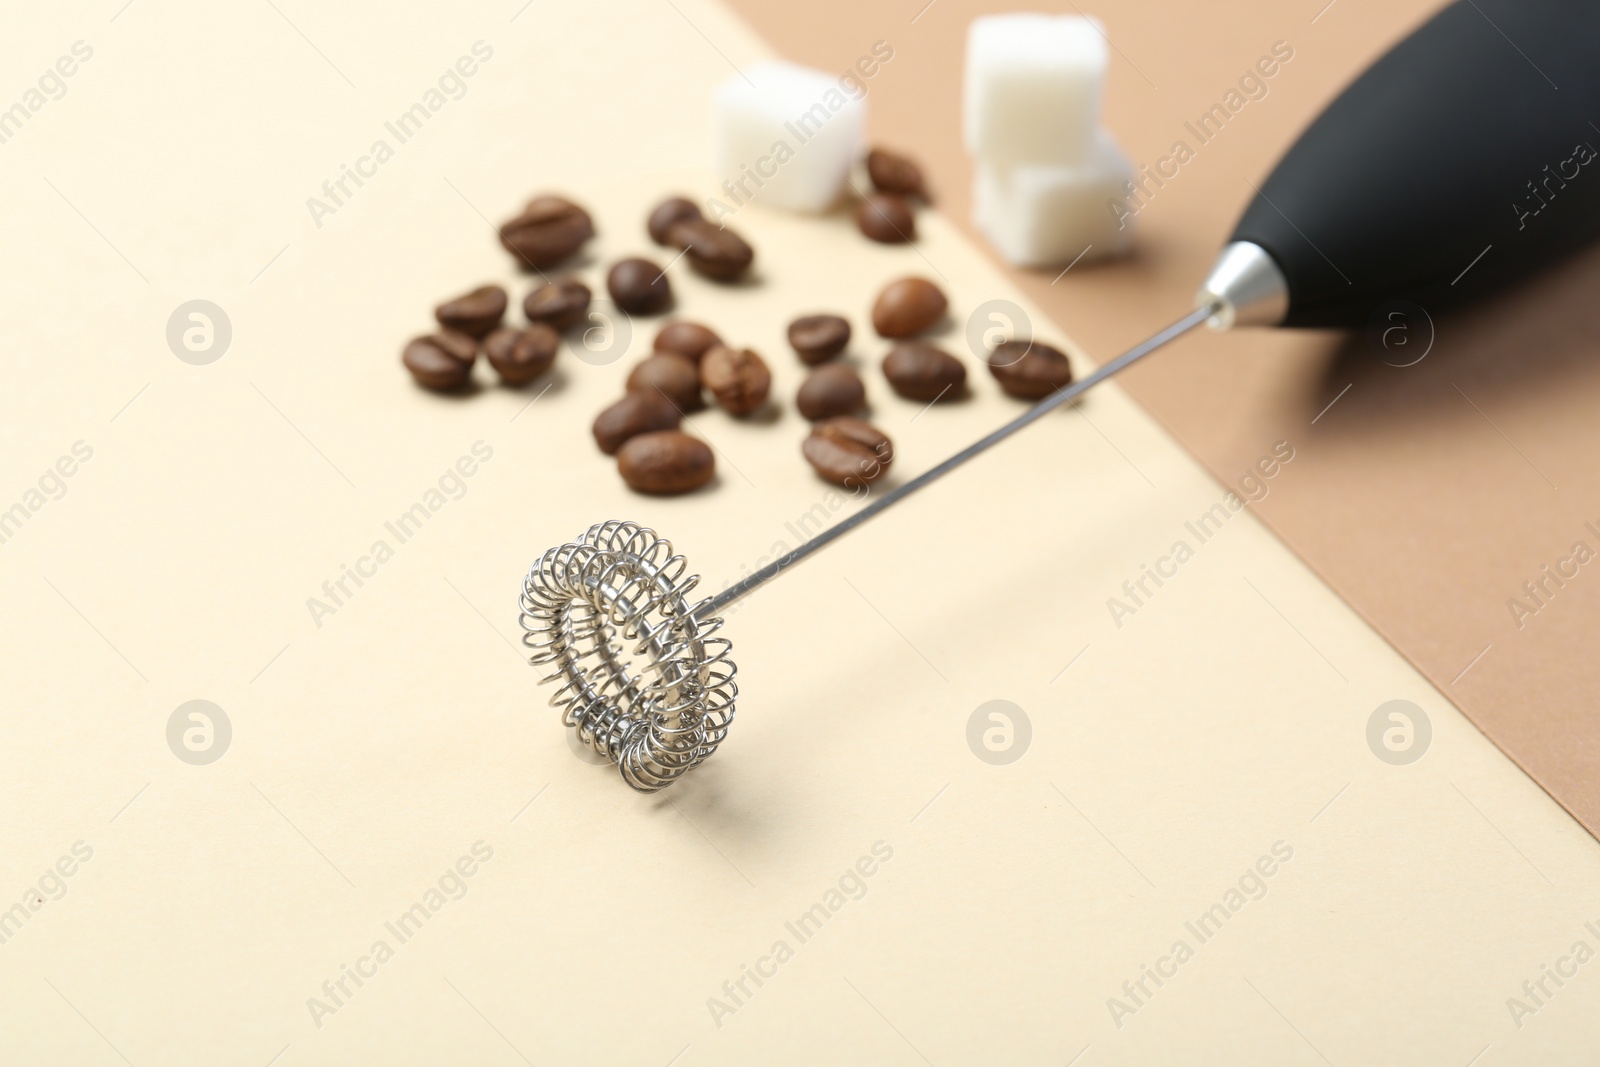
(1048, 176)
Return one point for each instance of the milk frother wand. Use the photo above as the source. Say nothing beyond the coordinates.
(1458, 163)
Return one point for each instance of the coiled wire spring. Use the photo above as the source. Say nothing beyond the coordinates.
(643, 680)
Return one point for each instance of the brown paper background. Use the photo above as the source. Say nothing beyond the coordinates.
(1429, 493)
(369, 753)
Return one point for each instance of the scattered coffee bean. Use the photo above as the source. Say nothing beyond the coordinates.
(549, 230)
(738, 378)
(665, 462)
(475, 314)
(715, 252)
(818, 338)
(639, 287)
(687, 339)
(886, 218)
(561, 304)
(831, 389)
(441, 361)
(907, 306)
(674, 377)
(520, 356)
(919, 371)
(893, 173)
(634, 414)
(848, 451)
(1029, 370)
(668, 214)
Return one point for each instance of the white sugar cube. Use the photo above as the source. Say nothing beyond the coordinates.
(1033, 88)
(785, 135)
(1041, 216)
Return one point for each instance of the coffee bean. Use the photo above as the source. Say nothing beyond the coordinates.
(832, 389)
(549, 230)
(919, 371)
(669, 213)
(665, 462)
(639, 287)
(886, 218)
(687, 339)
(848, 451)
(561, 304)
(738, 378)
(907, 306)
(441, 361)
(715, 252)
(1029, 370)
(520, 356)
(476, 313)
(893, 173)
(634, 414)
(818, 338)
(674, 377)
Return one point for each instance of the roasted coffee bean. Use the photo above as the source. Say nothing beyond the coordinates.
(520, 356)
(848, 451)
(561, 304)
(549, 230)
(738, 378)
(687, 339)
(665, 462)
(886, 218)
(711, 250)
(668, 214)
(893, 173)
(907, 306)
(919, 371)
(634, 414)
(475, 314)
(1030, 370)
(674, 377)
(639, 287)
(442, 360)
(818, 338)
(832, 389)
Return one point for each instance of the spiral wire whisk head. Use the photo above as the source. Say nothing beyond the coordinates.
(643, 680)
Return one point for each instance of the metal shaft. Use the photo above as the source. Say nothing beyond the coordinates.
(749, 583)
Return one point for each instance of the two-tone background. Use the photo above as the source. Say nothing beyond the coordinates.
(395, 857)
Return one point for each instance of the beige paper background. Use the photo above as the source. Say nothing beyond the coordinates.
(370, 753)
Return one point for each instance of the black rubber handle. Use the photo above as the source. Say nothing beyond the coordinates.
(1466, 158)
